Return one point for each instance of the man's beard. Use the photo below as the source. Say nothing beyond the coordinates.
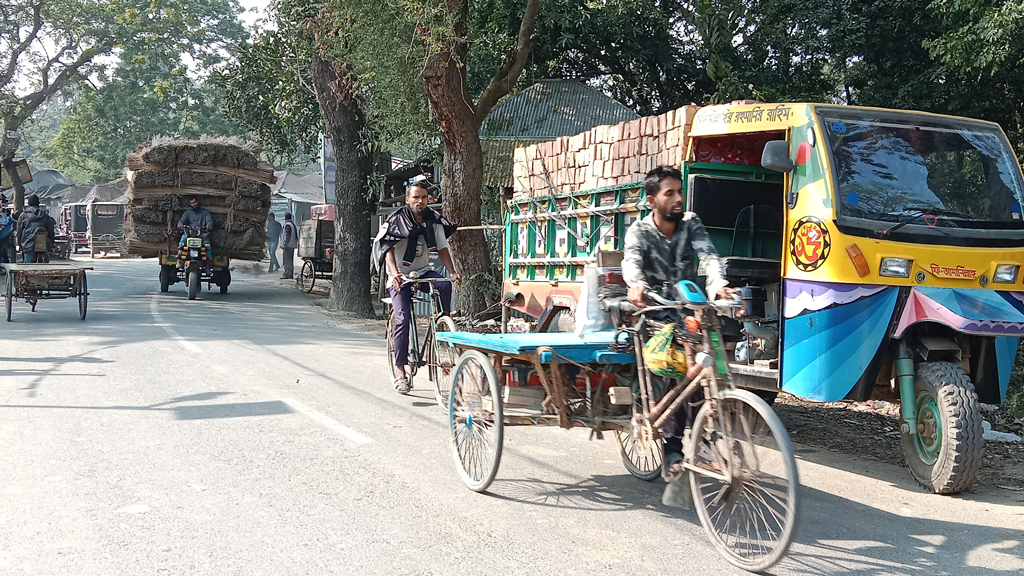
(671, 216)
(419, 212)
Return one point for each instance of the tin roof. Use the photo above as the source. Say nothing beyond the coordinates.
(553, 108)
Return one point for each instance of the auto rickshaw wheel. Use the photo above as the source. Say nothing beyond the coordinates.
(946, 453)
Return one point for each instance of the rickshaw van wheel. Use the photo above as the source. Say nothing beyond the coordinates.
(946, 454)
(10, 293)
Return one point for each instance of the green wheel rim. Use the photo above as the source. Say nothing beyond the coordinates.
(929, 440)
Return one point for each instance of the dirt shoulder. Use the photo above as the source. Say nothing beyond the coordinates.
(872, 430)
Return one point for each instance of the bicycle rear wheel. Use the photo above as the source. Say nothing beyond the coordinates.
(745, 486)
(442, 362)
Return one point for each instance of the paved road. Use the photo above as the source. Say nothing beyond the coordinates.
(251, 434)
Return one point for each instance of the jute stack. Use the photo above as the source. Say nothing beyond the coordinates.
(224, 175)
(603, 156)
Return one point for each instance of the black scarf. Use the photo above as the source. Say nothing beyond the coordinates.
(403, 225)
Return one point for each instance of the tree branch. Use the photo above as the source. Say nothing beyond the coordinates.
(30, 102)
(17, 51)
(508, 73)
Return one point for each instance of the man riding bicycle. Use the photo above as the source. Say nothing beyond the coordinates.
(404, 245)
(660, 250)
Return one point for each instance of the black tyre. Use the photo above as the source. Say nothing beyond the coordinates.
(945, 455)
(562, 321)
(193, 284)
(744, 480)
(476, 420)
(83, 298)
(165, 279)
(443, 357)
(223, 288)
(10, 293)
(307, 277)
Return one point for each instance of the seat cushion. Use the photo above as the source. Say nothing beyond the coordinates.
(751, 269)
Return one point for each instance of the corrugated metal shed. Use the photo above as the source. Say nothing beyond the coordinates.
(553, 108)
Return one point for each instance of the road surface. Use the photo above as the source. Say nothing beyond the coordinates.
(250, 433)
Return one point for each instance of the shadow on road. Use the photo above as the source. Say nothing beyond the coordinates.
(836, 535)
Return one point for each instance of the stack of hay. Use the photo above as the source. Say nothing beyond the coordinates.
(226, 177)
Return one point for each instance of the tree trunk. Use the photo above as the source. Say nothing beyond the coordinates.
(461, 182)
(459, 118)
(345, 121)
(8, 146)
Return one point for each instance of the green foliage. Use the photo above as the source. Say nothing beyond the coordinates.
(986, 36)
(107, 123)
(643, 53)
(269, 91)
(52, 45)
(150, 90)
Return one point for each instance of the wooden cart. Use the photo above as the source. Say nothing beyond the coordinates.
(316, 248)
(35, 282)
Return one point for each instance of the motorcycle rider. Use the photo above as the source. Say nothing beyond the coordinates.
(195, 217)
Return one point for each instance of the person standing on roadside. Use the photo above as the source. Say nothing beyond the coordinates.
(6, 235)
(289, 242)
(273, 239)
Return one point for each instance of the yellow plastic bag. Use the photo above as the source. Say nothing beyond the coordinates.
(663, 357)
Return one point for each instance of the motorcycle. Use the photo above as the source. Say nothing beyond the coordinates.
(194, 264)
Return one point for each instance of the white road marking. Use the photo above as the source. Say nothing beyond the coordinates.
(328, 422)
(155, 312)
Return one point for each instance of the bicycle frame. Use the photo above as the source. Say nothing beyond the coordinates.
(710, 372)
(418, 352)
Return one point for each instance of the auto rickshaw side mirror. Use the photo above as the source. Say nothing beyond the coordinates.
(776, 156)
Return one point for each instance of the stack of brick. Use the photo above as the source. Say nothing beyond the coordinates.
(603, 156)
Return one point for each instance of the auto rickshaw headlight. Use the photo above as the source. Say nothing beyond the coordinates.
(894, 268)
(1006, 274)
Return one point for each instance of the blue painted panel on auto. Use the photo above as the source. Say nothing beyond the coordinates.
(826, 351)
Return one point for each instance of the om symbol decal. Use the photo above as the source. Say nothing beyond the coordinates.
(810, 243)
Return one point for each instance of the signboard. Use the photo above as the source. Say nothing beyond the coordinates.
(23, 171)
(328, 168)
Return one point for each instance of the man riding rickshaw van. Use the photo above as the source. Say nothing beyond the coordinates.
(878, 252)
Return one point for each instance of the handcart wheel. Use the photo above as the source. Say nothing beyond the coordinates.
(409, 372)
(307, 277)
(476, 420)
(442, 363)
(747, 497)
(83, 297)
(10, 292)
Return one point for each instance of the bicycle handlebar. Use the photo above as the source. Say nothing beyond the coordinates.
(721, 306)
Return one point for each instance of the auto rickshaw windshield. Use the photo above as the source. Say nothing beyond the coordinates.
(953, 173)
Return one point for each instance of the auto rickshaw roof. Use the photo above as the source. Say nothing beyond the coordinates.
(746, 118)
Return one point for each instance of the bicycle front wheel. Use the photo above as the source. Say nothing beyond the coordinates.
(745, 483)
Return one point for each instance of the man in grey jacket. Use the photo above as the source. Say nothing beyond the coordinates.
(660, 250)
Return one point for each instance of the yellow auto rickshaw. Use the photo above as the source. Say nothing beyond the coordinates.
(877, 251)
